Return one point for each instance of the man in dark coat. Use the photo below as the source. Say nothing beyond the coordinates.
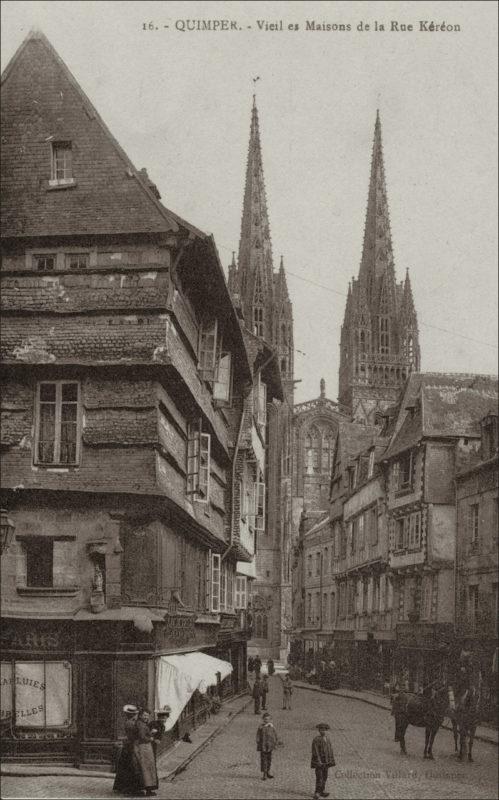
(257, 694)
(258, 666)
(270, 666)
(322, 759)
(266, 742)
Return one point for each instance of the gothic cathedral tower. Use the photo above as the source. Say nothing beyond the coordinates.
(262, 297)
(379, 338)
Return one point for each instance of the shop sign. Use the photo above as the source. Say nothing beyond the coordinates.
(19, 637)
(41, 691)
(179, 629)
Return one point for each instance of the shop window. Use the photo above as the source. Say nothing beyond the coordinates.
(198, 463)
(38, 692)
(57, 415)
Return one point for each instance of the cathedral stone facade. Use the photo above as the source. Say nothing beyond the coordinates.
(261, 296)
(379, 338)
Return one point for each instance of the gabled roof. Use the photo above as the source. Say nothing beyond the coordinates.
(443, 406)
(43, 103)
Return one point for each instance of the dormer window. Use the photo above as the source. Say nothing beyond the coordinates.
(62, 164)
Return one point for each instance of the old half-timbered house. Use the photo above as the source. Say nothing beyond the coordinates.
(125, 379)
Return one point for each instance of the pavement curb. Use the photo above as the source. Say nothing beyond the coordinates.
(447, 727)
(170, 776)
(18, 771)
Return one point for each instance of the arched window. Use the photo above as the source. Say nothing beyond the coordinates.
(327, 451)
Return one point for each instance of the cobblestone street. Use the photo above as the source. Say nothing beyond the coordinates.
(368, 764)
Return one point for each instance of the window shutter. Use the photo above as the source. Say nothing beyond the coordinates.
(208, 349)
(262, 403)
(193, 448)
(223, 586)
(207, 582)
(259, 506)
(222, 385)
(382, 593)
(215, 582)
(204, 467)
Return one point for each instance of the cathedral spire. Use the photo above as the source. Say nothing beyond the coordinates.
(255, 249)
(377, 253)
(379, 337)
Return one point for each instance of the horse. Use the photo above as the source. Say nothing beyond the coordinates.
(467, 715)
(423, 711)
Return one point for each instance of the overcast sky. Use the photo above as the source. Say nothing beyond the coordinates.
(179, 103)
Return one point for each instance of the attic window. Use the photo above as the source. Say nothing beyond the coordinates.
(62, 164)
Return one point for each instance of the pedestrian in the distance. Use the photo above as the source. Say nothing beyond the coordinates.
(270, 666)
(266, 742)
(251, 664)
(322, 759)
(257, 694)
(257, 663)
(265, 691)
(287, 691)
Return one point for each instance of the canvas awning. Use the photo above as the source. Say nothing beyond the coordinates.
(178, 677)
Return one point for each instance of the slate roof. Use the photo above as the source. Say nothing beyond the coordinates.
(444, 406)
(43, 103)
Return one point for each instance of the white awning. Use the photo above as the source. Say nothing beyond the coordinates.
(178, 677)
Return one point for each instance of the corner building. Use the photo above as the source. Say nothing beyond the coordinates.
(126, 379)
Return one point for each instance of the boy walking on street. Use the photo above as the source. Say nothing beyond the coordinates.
(322, 759)
(266, 742)
(287, 691)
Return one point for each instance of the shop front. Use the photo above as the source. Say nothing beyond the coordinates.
(64, 682)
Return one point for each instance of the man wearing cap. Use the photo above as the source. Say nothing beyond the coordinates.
(322, 759)
(266, 742)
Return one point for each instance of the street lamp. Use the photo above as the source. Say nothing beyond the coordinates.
(7, 529)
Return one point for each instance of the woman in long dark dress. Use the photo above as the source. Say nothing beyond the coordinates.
(144, 753)
(128, 779)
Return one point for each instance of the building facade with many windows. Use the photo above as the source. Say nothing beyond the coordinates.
(127, 384)
(477, 610)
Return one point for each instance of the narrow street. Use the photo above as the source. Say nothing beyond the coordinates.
(368, 764)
